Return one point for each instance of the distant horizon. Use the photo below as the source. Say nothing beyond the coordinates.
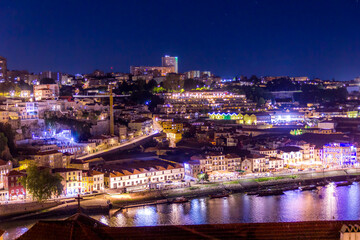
(224, 77)
(265, 38)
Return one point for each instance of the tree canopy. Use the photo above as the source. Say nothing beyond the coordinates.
(41, 184)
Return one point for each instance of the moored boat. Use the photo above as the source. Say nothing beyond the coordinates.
(308, 188)
(180, 200)
(270, 192)
(252, 193)
(344, 183)
(161, 201)
(219, 195)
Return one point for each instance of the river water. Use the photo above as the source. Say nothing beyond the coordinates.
(328, 203)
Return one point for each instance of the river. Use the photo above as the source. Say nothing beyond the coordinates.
(328, 203)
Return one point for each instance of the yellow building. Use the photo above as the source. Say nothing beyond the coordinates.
(87, 182)
(172, 127)
(352, 114)
(250, 119)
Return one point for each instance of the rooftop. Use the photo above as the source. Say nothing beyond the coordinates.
(80, 226)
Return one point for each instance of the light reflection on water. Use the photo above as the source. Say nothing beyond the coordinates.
(328, 203)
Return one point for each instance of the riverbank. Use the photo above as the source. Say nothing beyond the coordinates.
(100, 204)
(243, 185)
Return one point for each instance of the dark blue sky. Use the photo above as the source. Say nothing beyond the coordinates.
(312, 38)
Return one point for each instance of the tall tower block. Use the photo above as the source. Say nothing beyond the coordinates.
(111, 112)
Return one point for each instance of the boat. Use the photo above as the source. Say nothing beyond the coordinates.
(252, 193)
(344, 183)
(290, 188)
(270, 192)
(220, 195)
(308, 188)
(162, 201)
(180, 200)
(322, 184)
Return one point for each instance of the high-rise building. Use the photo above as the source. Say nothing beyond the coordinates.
(168, 61)
(193, 74)
(3, 69)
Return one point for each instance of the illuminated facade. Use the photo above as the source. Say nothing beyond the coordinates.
(154, 71)
(46, 91)
(241, 119)
(168, 61)
(3, 69)
(72, 180)
(337, 154)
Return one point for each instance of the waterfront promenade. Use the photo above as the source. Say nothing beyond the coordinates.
(119, 201)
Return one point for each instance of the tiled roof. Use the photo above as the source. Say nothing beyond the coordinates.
(81, 227)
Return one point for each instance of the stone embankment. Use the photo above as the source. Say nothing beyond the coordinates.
(99, 204)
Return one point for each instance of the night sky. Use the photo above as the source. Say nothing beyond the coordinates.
(311, 38)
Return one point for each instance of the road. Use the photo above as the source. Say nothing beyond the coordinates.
(122, 145)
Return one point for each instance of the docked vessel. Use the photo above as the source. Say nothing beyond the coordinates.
(308, 188)
(220, 195)
(180, 200)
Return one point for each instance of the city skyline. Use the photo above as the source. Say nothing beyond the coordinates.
(314, 39)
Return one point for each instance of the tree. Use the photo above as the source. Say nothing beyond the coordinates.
(203, 177)
(47, 81)
(10, 135)
(41, 184)
(3, 142)
(261, 101)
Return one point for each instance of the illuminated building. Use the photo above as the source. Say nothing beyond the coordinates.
(193, 74)
(15, 189)
(172, 127)
(141, 175)
(26, 110)
(71, 180)
(352, 114)
(46, 91)
(3, 69)
(291, 155)
(154, 71)
(52, 159)
(5, 168)
(337, 154)
(264, 151)
(215, 161)
(168, 61)
(4, 116)
(200, 101)
(142, 126)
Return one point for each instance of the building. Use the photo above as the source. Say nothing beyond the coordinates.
(338, 154)
(192, 74)
(256, 163)
(292, 156)
(80, 226)
(169, 65)
(26, 110)
(264, 151)
(46, 91)
(3, 69)
(153, 71)
(168, 61)
(52, 159)
(5, 168)
(15, 190)
(215, 161)
(275, 163)
(72, 180)
(142, 126)
(141, 175)
(98, 178)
